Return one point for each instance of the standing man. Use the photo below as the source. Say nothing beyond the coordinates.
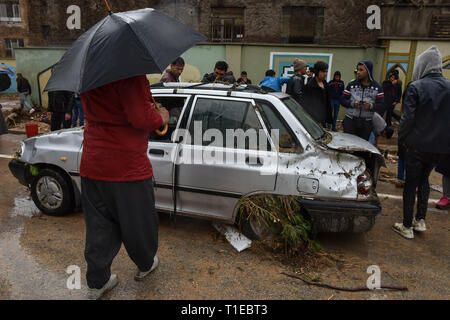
(424, 129)
(78, 111)
(392, 95)
(176, 69)
(116, 180)
(60, 105)
(24, 89)
(220, 70)
(272, 82)
(316, 99)
(229, 76)
(297, 81)
(361, 98)
(244, 79)
(336, 88)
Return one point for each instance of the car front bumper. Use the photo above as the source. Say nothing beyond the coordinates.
(18, 169)
(342, 216)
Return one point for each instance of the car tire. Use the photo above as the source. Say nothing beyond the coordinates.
(52, 193)
(252, 229)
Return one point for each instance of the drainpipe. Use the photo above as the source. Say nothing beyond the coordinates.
(39, 83)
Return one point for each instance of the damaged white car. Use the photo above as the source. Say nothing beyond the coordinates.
(209, 160)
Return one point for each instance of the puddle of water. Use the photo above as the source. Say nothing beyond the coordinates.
(24, 207)
(26, 278)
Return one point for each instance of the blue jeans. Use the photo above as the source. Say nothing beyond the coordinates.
(335, 105)
(78, 110)
(372, 138)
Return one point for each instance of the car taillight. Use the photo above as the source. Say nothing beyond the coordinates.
(364, 183)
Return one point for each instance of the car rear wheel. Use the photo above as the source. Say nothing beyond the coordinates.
(52, 193)
(253, 229)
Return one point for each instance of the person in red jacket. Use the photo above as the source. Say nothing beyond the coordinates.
(116, 180)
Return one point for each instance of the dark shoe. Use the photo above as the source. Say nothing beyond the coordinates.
(399, 184)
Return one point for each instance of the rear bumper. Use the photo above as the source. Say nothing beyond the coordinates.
(17, 168)
(342, 216)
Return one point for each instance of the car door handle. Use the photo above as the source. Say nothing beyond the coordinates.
(252, 162)
(157, 152)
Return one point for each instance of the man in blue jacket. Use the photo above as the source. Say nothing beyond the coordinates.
(335, 88)
(361, 98)
(273, 82)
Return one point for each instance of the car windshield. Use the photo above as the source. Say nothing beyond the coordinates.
(313, 128)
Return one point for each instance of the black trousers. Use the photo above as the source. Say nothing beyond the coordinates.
(418, 168)
(389, 114)
(116, 213)
(358, 126)
(58, 119)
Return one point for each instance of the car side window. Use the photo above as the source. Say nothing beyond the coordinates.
(287, 141)
(220, 115)
(174, 105)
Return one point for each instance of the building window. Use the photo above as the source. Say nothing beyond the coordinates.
(302, 24)
(11, 44)
(227, 24)
(10, 12)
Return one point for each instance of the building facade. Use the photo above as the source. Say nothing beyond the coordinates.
(251, 35)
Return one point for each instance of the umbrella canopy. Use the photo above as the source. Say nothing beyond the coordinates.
(120, 46)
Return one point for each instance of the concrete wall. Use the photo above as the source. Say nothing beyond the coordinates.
(31, 61)
(255, 59)
(409, 20)
(263, 19)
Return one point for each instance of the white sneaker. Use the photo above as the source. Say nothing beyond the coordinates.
(419, 225)
(140, 275)
(407, 233)
(95, 294)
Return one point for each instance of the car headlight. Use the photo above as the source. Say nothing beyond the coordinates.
(364, 183)
(21, 150)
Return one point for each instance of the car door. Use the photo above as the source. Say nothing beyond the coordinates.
(162, 149)
(215, 171)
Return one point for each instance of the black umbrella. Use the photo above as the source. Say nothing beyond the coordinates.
(120, 46)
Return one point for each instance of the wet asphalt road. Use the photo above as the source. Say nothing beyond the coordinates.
(197, 263)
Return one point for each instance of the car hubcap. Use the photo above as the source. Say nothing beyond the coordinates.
(49, 192)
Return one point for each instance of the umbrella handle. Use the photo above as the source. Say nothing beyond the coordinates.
(107, 6)
(166, 126)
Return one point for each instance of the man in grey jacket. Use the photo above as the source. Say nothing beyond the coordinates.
(361, 98)
(424, 131)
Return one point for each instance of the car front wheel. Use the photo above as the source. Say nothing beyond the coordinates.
(52, 193)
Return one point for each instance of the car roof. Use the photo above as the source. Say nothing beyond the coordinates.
(219, 89)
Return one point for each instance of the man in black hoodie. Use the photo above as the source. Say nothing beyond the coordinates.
(424, 131)
(316, 99)
(336, 88)
(361, 98)
(60, 106)
(392, 95)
